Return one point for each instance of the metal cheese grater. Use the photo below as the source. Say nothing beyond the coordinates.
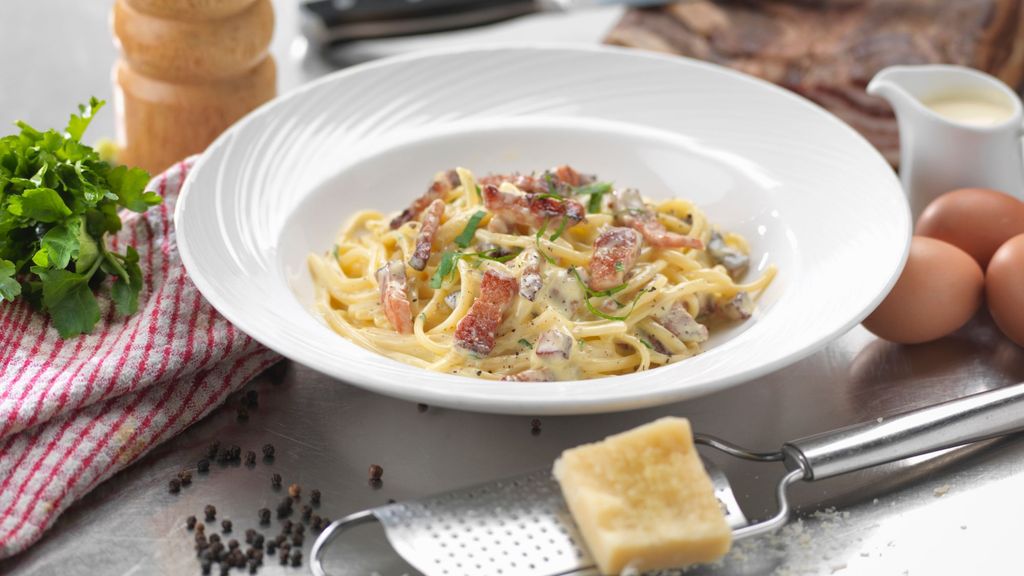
(521, 526)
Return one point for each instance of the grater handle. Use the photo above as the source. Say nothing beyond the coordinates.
(962, 421)
(330, 533)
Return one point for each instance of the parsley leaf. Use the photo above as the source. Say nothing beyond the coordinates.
(40, 204)
(58, 201)
(464, 238)
(536, 240)
(526, 343)
(125, 291)
(588, 294)
(9, 287)
(69, 301)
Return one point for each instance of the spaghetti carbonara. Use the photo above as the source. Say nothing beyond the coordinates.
(540, 277)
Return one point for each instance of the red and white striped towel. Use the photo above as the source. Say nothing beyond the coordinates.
(74, 412)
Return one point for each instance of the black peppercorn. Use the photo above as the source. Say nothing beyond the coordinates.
(232, 544)
(243, 413)
(284, 557)
(216, 548)
(206, 564)
(200, 528)
(535, 423)
(211, 512)
(190, 522)
(284, 508)
(252, 398)
(225, 525)
(212, 450)
(317, 523)
(297, 539)
(174, 486)
(185, 477)
(296, 558)
(298, 529)
(249, 535)
(257, 542)
(224, 455)
(250, 458)
(268, 451)
(275, 480)
(264, 514)
(376, 471)
(203, 465)
(271, 547)
(214, 538)
(295, 491)
(200, 538)
(236, 452)
(253, 566)
(307, 512)
(314, 497)
(422, 408)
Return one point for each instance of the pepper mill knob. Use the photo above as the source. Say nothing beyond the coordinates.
(188, 70)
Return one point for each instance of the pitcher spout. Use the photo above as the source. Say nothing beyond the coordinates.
(901, 86)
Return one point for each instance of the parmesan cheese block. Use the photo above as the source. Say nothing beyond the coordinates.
(642, 499)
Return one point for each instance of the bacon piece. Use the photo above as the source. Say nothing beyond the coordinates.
(630, 210)
(530, 281)
(531, 375)
(425, 239)
(561, 176)
(531, 209)
(437, 190)
(553, 345)
(734, 261)
(477, 331)
(391, 278)
(679, 322)
(615, 253)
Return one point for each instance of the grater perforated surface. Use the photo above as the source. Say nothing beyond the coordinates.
(518, 526)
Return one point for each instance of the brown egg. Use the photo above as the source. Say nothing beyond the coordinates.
(1004, 288)
(976, 220)
(939, 290)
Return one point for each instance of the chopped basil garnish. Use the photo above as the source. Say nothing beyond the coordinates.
(463, 239)
(645, 343)
(596, 293)
(596, 191)
(537, 237)
(445, 269)
(561, 228)
(526, 343)
(479, 193)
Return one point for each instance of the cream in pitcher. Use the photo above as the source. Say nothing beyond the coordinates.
(958, 128)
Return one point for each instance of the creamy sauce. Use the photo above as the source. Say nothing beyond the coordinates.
(978, 109)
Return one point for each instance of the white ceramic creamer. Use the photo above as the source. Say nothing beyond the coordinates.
(958, 128)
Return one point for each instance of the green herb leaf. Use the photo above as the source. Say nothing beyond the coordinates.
(619, 266)
(445, 268)
(78, 124)
(526, 343)
(129, 184)
(125, 291)
(596, 191)
(552, 183)
(536, 241)
(561, 228)
(466, 237)
(479, 192)
(69, 301)
(488, 255)
(40, 204)
(59, 244)
(9, 287)
(645, 342)
(588, 294)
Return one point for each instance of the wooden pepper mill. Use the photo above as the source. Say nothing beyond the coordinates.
(189, 69)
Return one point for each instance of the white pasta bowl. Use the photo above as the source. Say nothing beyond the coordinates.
(811, 196)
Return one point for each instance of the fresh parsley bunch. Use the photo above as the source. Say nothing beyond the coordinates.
(58, 202)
